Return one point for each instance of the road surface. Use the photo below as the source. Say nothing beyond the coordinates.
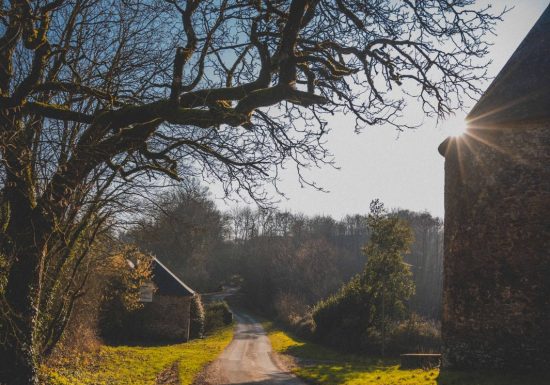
(248, 359)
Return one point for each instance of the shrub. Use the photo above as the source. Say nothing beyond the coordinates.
(120, 300)
(414, 335)
(292, 311)
(197, 322)
(217, 315)
(305, 326)
(342, 320)
(289, 308)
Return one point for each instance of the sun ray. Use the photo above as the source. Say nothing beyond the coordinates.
(476, 134)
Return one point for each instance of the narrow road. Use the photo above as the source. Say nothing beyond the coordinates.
(249, 359)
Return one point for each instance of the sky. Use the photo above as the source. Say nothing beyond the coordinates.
(405, 170)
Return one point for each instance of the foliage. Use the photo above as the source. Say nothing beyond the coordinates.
(414, 334)
(3, 275)
(217, 315)
(345, 319)
(387, 278)
(389, 234)
(138, 365)
(289, 308)
(124, 273)
(359, 315)
(198, 318)
(319, 365)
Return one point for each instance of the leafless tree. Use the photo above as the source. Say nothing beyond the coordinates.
(98, 96)
(185, 230)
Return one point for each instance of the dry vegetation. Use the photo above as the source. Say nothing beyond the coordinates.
(137, 365)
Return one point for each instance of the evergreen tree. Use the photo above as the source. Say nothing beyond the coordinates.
(387, 278)
(358, 316)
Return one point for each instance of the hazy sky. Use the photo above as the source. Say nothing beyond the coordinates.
(404, 171)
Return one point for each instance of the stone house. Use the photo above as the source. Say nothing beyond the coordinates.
(166, 314)
(496, 296)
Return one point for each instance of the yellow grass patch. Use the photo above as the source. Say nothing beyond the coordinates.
(323, 366)
(139, 365)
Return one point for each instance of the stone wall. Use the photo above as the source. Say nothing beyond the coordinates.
(164, 319)
(496, 303)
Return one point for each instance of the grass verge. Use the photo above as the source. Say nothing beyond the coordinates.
(319, 365)
(138, 365)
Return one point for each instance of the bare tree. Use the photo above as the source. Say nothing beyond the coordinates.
(98, 96)
(185, 230)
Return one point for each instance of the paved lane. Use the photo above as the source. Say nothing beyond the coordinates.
(248, 359)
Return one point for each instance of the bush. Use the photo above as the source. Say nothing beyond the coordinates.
(415, 335)
(305, 327)
(343, 320)
(197, 322)
(347, 321)
(289, 309)
(217, 315)
(120, 298)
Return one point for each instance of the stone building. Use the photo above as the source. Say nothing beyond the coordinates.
(166, 314)
(496, 300)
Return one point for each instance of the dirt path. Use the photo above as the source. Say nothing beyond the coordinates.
(248, 360)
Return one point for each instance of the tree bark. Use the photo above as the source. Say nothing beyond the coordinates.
(19, 350)
(23, 244)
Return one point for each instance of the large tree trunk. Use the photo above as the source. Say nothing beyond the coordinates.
(22, 242)
(19, 358)
(19, 350)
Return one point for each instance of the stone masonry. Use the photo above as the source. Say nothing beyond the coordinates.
(496, 300)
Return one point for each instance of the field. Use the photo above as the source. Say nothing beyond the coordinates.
(319, 365)
(140, 365)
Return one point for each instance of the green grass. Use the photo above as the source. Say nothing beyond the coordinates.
(323, 366)
(138, 365)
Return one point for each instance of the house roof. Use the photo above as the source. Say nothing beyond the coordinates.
(168, 283)
(521, 90)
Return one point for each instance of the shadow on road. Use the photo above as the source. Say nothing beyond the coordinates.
(274, 379)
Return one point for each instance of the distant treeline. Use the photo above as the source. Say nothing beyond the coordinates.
(286, 262)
